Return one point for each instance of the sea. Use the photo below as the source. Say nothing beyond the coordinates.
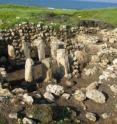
(63, 4)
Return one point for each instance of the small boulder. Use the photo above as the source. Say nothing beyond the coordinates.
(105, 115)
(96, 96)
(4, 92)
(28, 121)
(79, 95)
(18, 91)
(55, 89)
(114, 88)
(13, 116)
(69, 83)
(92, 86)
(66, 96)
(28, 99)
(42, 113)
(48, 96)
(91, 116)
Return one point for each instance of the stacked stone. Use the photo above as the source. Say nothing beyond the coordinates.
(69, 46)
(75, 68)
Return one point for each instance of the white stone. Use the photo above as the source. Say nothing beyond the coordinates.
(63, 61)
(103, 77)
(29, 70)
(55, 89)
(28, 99)
(69, 83)
(48, 75)
(11, 51)
(114, 88)
(115, 61)
(104, 115)
(48, 64)
(4, 92)
(18, 90)
(91, 116)
(90, 71)
(81, 56)
(48, 96)
(92, 86)
(26, 48)
(38, 95)
(28, 121)
(2, 69)
(3, 73)
(79, 95)
(54, 47)
(39, 43)
(66, 96)
(13, 115)
(96, 96)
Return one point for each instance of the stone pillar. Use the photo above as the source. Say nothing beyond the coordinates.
(63, 61)
(26, 48)
(48, 75)
(39, 43)
(11, 51)
(29, 70)
(48, 64)
(54, 46)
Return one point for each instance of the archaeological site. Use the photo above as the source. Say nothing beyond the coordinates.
(58, 75)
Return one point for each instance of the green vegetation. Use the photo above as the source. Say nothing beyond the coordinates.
(14, 14)
(2, 121)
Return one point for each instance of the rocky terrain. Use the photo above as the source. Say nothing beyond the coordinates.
(64, 75)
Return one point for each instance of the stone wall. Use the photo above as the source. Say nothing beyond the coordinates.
(28, 33)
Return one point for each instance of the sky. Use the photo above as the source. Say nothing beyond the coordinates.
(109, 1)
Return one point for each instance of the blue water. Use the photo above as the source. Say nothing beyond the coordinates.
(64, 4)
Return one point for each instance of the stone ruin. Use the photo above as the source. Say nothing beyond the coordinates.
(63, 67)
(38, 42)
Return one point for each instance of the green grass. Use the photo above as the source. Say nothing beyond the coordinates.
(14, 14)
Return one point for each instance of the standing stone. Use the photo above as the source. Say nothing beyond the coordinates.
(48, 64)
(11, 51)
(54, 47)
(26, 48)
(29, 70)
(81, 57)
(48, 75)
(39, 43)
(63, 62)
